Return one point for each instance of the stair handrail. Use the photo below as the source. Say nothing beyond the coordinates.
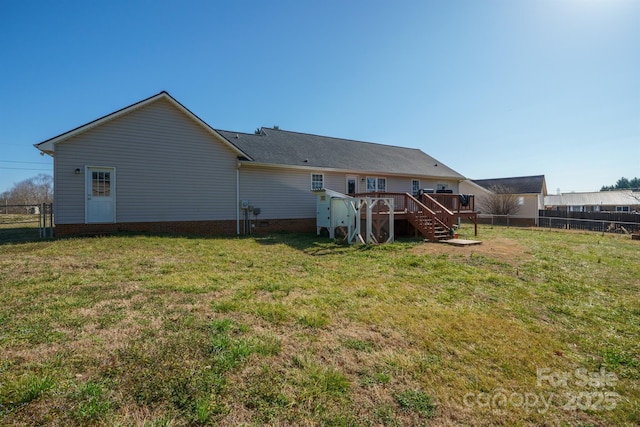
(437, 203)
(424, 207)
(442, 212)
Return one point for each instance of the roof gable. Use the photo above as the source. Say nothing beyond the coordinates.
(517, 185)
(48, 146)
(294, 149)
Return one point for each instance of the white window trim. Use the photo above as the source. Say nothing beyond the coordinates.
(376, 188)
(312, 181)
(375, 184)
(346, 182)
(378, 184)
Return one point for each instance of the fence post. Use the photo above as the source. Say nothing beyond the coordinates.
(41, 222)
(44, 220)
(51, 220)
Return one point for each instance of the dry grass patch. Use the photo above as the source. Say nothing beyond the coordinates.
(295, 330)
(502, 249)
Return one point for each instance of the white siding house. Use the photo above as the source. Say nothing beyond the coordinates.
(155, 166)
(528, 191)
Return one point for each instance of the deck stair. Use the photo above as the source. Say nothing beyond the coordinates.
(431, 215)
(433, 222)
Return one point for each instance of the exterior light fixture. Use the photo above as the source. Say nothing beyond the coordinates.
(77, 171)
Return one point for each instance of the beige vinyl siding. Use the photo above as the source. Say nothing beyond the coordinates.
(282, 193)
(168, 168)
(529, 208)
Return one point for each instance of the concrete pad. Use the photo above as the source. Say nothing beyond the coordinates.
(461, 242)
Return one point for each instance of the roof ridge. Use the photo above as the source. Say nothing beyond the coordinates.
(341, 139)
(510, 177)
(235, 131)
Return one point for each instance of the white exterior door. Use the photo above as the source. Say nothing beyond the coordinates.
(101, 195)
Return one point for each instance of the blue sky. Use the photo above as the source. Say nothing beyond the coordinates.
(492, 88)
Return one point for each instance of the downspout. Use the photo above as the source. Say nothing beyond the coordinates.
(238, 198)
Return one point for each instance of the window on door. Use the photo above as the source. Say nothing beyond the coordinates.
(415, 186)
(351, 185)
(101, 184)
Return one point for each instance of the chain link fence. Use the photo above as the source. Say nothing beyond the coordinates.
(26, 222)
(603, 224)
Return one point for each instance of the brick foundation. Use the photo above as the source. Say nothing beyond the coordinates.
(202, 228)
(294, 225)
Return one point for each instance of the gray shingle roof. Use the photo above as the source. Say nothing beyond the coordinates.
(280, 147)
(516, 185)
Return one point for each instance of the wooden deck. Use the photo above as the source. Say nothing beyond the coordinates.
(433, 215)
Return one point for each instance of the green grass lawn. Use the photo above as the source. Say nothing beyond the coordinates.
(532, 327)
(19, 227)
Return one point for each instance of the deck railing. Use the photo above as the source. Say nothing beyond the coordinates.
(417, 211)
(399, 202)
(439, 219)
(440, 211)
(455, 202)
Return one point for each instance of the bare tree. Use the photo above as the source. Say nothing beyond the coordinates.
(32, 191)
(501, 201)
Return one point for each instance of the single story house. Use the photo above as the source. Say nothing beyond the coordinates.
(528, 192)
(596, 201)
(156, 166)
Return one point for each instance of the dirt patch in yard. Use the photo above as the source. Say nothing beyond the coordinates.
(500, 248)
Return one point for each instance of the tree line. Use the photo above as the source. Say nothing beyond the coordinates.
(623, 184)
(28, 193)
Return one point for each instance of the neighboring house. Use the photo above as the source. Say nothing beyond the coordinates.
(529, 193)
(156, 166)
(597, 201)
